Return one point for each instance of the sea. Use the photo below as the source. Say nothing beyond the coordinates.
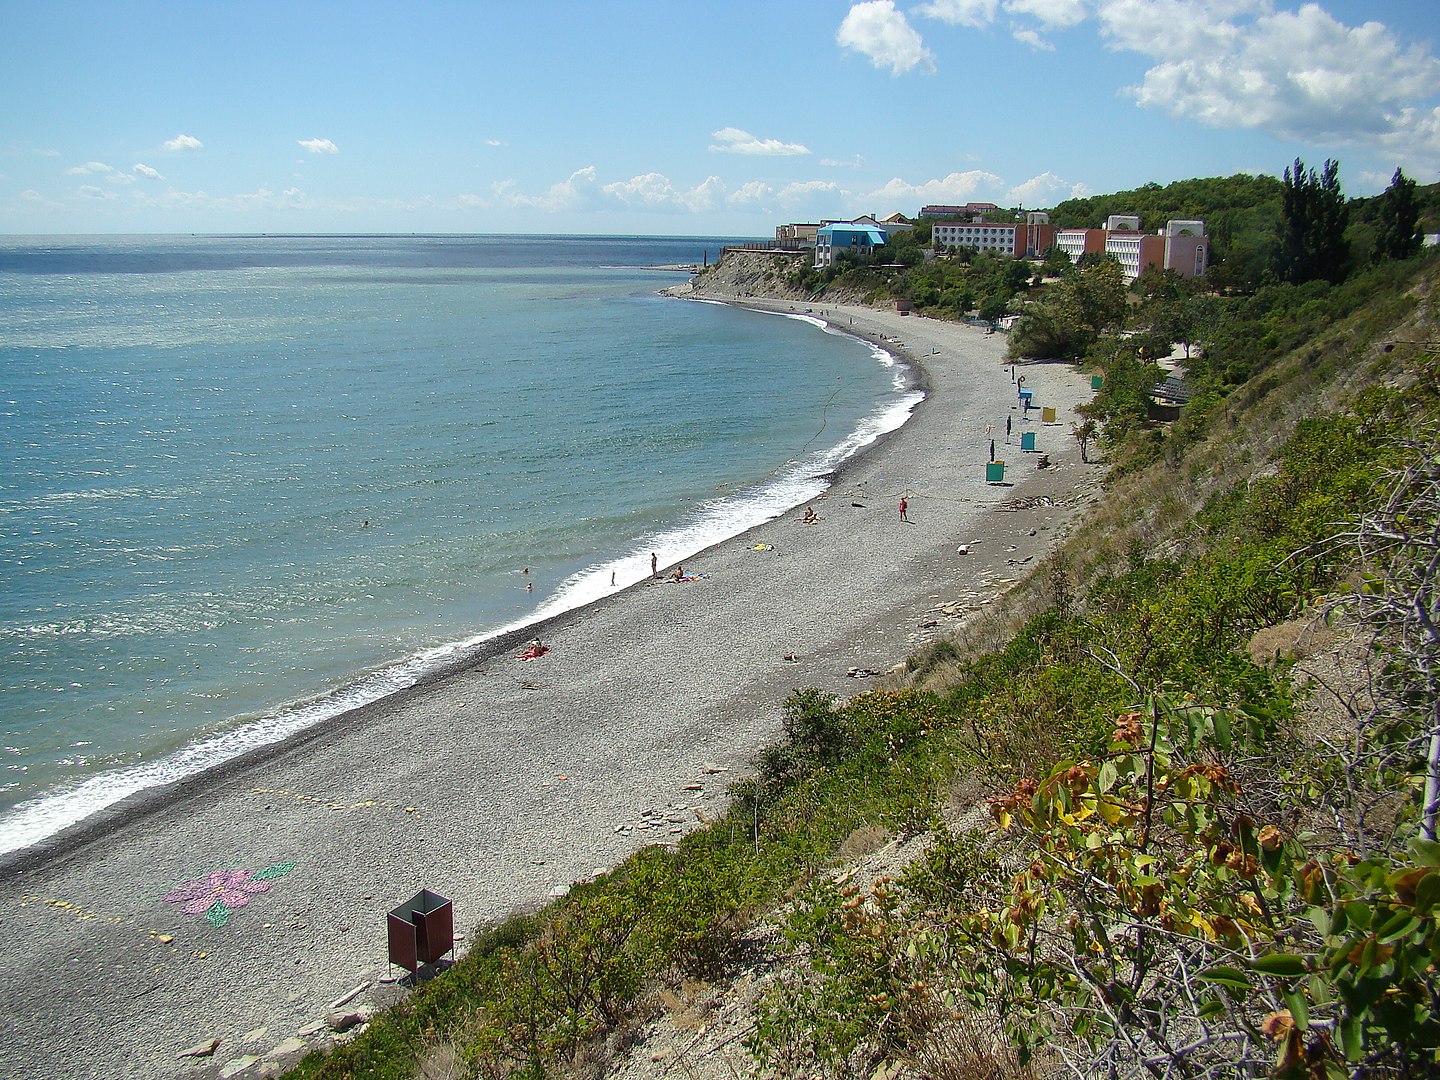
(248, 483)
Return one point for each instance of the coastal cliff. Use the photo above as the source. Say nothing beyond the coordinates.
(756, 274)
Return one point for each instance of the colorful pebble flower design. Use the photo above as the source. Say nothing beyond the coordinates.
(218, 894)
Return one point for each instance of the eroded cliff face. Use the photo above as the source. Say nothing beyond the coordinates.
(741, 274)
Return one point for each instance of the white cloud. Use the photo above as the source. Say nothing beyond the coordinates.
(183, 142)
(734, 141)
(90, 191)
(1299, 75)
(952, 188)
(1026, 36)
(494, 142)
(571, 193)
(877, 31)
(654, 191)
(978, 13)
(807, 193)
(319, 146)
(1047, 189)
(146, 171)
(108, 173)
(755, 193)
(857, 162)
(1052, 14)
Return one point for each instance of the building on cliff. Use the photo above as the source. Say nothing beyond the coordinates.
(831, 241)
(1029, 239)
(1181, 246)
(860, 236)
(971, 211)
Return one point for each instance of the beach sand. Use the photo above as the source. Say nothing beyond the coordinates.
(500, 783)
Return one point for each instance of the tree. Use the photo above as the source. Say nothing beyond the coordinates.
(1313, 217)
(1397, 235)
(1073, 314)
(1056, 262)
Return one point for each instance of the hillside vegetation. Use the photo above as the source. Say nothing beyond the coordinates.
(1174, 805)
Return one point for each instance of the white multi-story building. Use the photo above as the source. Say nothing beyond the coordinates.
(1030, 239)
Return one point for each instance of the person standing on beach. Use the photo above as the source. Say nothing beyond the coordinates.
(904, 507)
(654, 565)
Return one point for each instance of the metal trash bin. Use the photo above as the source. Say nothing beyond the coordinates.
(995, 472)
(421, 930)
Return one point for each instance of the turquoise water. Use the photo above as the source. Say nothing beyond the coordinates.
(247, 483)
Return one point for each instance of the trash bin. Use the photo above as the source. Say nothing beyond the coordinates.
(1047, 414)
(995, 472)
(1027, 440)
(1097, 381)
(421, 930)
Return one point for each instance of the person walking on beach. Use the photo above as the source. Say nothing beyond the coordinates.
(904, 507)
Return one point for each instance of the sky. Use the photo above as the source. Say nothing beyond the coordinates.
(680, 117)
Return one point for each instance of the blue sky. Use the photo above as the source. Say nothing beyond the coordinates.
(701, 117)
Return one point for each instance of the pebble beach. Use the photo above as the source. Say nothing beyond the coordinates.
(502, 781)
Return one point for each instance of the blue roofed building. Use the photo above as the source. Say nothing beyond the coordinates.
(841, 236)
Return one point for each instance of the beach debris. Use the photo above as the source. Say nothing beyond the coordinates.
(286, 1047)
(236, 1066)
(345, 1019)
(1029, 502)
(255, 1035)
(711, 768)
(861, 673)
(963, 549)
(200, 1049)
(345, 999)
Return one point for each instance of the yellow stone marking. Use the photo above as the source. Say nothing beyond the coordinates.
(83, 915)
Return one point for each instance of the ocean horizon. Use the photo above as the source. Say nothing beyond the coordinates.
(253, 482)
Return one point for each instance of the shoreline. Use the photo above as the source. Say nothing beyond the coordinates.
(498, 782)
(465, 653)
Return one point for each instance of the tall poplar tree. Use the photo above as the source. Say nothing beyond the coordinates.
(1312, 225)
(1397, 234)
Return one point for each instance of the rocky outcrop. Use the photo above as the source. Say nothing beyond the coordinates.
(744, 274)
